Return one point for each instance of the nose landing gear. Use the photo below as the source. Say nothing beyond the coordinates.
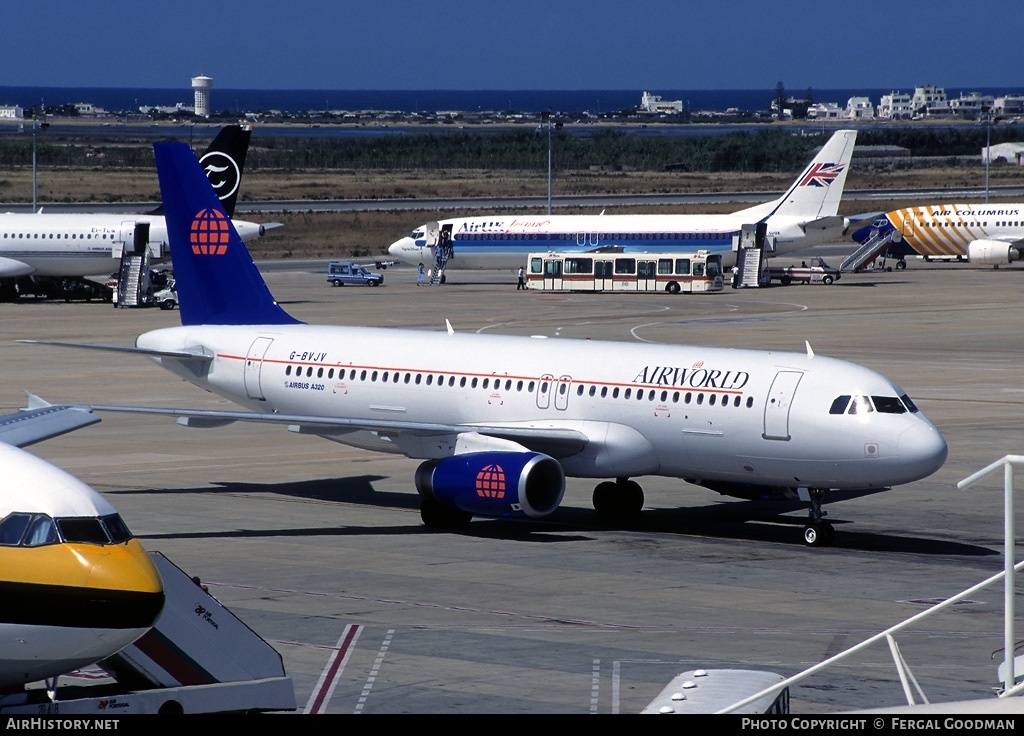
(818, 533)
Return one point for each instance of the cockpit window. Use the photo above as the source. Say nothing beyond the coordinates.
(86, 530)
(416, 234)
(888, 405)
(117, 530)
(860, 405)
(27, 530)
(12, 529)
(911, 406)
(839, 405)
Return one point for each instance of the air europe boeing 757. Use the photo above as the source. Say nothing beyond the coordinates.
(499, 422)
(806, 215)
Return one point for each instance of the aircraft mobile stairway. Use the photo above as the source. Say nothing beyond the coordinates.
(197, 658)
(750, 255)
(750, 263)
(131, 285)
(872, 247)
(133, 274)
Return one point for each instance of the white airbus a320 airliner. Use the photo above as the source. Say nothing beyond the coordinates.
(499, 422)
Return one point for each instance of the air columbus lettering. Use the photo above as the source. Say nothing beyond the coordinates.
(692, 377)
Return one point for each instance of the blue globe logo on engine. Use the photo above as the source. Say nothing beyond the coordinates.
(490, 482)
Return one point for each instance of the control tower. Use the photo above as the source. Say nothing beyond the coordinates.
(202, 85)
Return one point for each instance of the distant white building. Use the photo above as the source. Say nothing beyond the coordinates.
(1011, 153)
(929, 101)
(654, 103)
(896, 106)
(178, 108)
(825, 111)
(859, 108)
(87, 109)
(971, 106)
(1008, 106)
(11, 112)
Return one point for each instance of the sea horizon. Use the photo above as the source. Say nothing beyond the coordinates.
(131, 99)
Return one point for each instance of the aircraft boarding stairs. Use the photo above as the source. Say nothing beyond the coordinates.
(442, 254)
(133, 273)
(872, 247)
(750, 256)
(131, 280)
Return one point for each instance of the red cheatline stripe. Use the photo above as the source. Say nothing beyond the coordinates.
(322, 692)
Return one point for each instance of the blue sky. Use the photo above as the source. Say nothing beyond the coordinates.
(516, 44)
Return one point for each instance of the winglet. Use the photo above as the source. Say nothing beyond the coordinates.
(216, 279)
(449, 326)
(810, 353)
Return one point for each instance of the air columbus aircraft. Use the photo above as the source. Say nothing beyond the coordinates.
(499, 422)
(990, 234)
(807, 214)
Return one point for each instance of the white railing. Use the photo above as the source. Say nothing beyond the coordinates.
(907, 679)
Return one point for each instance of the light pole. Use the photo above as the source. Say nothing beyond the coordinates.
(35, 179)
(549, 162)
(988, 149)
(36, 126)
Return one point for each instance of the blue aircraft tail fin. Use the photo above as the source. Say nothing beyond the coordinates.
(216, 279)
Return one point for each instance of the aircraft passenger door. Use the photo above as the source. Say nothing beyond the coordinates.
(254, 367)
(561, 389)
(778, 404)
(125, 239)
(544, 391)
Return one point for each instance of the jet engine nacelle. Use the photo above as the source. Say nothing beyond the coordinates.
(494, 484)
(991, 252)
(10, 268)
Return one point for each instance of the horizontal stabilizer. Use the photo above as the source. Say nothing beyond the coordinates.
(823, 223)
(199, 354)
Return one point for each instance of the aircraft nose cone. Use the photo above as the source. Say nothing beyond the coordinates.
(922, 450)
(397, 247)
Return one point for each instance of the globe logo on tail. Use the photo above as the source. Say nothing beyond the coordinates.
(210, 233)
(490, 482)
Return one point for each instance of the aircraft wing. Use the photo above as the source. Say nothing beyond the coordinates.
(551, 440)
(41, 421)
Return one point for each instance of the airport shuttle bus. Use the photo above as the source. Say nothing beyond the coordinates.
(691, 273)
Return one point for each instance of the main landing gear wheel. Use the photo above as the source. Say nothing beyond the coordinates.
(439, 516)
(620, 500)
(819, 534)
